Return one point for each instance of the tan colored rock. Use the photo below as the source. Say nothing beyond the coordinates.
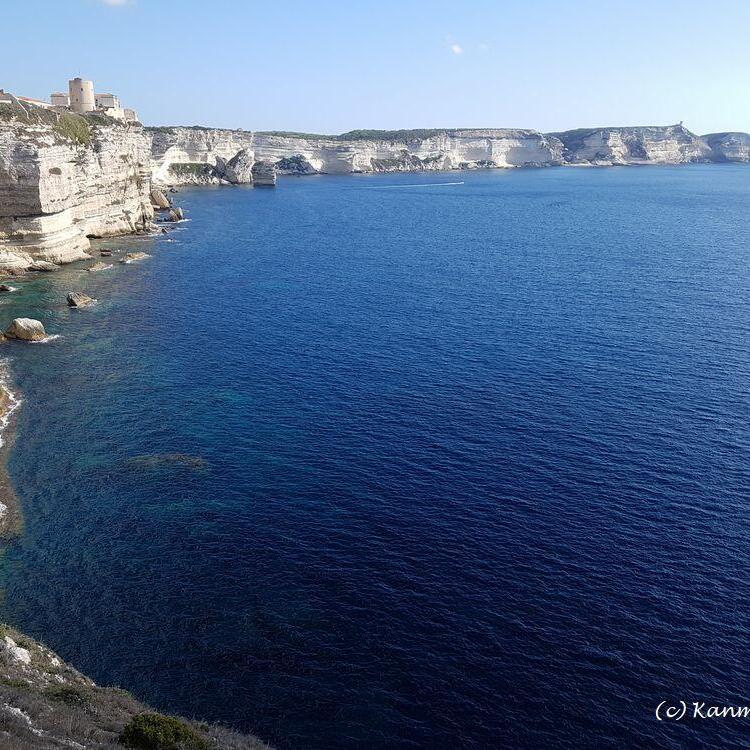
(26, 329)
(159, 200)
(43, 265)
(78, 299)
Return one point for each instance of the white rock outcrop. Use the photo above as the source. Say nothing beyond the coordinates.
(15, 652)
(264, 174)
(79, 299)
(200, 155)
(188, 155)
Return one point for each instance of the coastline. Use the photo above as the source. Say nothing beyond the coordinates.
(44, 701)
(11, 518)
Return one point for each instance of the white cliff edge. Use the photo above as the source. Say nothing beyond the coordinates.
(65, 178)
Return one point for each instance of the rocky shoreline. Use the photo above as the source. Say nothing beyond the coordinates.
(10, 511)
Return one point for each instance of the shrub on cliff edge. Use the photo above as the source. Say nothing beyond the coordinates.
(158, 732)
(74, 127)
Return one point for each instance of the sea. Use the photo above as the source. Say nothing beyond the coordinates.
(444, 460)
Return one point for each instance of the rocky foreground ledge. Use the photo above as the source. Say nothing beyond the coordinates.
(45, 704)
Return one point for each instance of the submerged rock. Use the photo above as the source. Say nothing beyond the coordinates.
(7, 288)
(26, 329)
(106, 253)
(78, 299)
(99, 266)
(166, 460)
(131, 257)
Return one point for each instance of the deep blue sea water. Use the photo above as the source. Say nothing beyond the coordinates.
(477, 460)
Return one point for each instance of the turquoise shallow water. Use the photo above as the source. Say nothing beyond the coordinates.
(364, 463)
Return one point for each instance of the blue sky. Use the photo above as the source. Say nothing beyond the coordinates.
(325, 66)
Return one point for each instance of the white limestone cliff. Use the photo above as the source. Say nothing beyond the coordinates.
(65, 178)
(729, 146)
(201, 155)
(181, 155)
(197, 150)
(674, 144)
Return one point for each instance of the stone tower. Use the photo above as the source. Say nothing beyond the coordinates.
(81, 95)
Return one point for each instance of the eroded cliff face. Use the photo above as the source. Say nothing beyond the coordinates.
(181, 154)
(729, 146)
(645, 145)
(66, 178)
(187, 156)
(199, 156)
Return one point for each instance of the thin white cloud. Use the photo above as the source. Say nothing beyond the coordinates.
(116, 2)
(457, 49)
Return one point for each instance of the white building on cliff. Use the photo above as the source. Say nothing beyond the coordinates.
(82, 98)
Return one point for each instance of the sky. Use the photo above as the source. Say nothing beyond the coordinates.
(327, 67)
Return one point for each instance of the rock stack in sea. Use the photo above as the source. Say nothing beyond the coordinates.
(239, 169)
(26, 329)
(79, 299)
(264, 174)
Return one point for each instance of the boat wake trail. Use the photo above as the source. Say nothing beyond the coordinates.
(421, 184)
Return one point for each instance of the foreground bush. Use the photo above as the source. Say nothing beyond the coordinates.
(157, 732)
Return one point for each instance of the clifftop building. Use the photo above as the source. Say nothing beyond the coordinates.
(82, 95)
(82, 98)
